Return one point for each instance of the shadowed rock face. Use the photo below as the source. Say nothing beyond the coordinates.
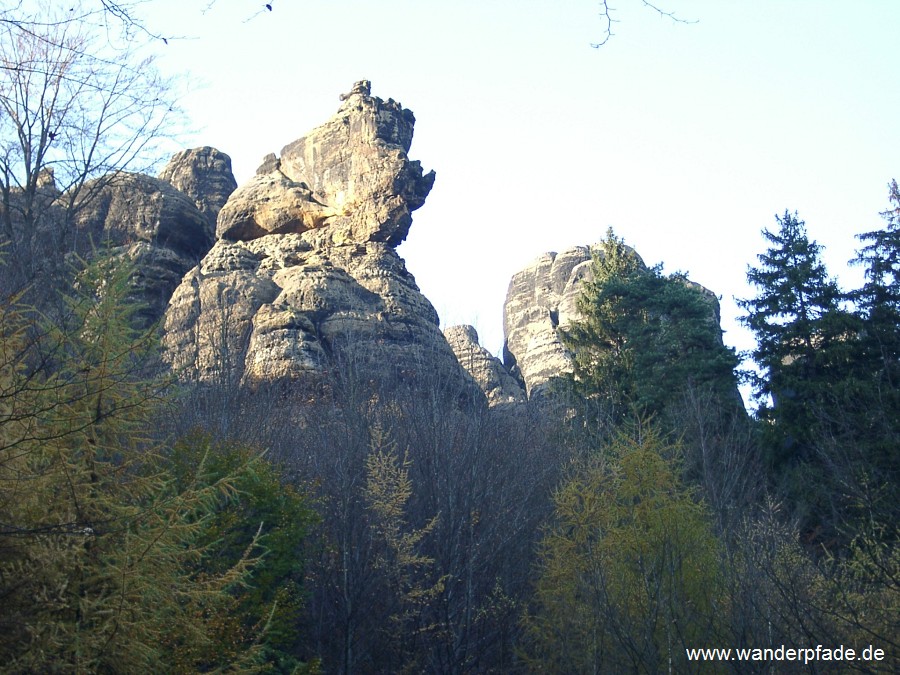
(498, 385)
(164, 225)
(158, 227)
(305, 274)
(134, 207)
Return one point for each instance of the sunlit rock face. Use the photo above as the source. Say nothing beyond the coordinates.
(351, 175)
(541, 298)
(498, 385)
(304, 273)
(203, 174)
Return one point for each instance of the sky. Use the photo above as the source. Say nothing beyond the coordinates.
(685, 138)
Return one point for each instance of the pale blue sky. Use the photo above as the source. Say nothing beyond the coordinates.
(687, 139)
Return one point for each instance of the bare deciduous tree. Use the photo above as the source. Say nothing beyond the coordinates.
(77, 112)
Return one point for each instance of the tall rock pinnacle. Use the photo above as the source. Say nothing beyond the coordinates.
(351, 175)
(305, 272)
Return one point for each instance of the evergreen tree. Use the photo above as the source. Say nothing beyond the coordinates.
(643, 338)
(864, 430)
(603, 368)
(799, 328)
(806, 350)
(878, 302)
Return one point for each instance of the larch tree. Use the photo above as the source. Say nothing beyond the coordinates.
(409, 578)
(628, 568)
(103, 550)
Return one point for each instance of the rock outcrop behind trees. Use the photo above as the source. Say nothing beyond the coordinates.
(295, 273)
(164, 225)
(541, 298)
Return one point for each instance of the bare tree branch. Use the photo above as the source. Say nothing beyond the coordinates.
(607, 20)
(77, 112)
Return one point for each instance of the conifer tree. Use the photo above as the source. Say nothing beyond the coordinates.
(644, 337)
(864, 428)
(102, 551)
(806, 351)
(628, 571)
(265, 611)
(410, 583)
(799, 327)
(878, 301)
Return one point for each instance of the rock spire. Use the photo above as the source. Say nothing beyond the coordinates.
(304, 272)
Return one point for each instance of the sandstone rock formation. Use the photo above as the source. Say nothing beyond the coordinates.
(305, 272)
(498, 385)
(351, 174)
(541, 298)
(134, 207)
(164, 225)
(158, 227)
(204, 175)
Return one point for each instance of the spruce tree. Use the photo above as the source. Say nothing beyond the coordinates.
(878, 301)
(865, 429)
(643, 338)
(798, 323)
(805, 354)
